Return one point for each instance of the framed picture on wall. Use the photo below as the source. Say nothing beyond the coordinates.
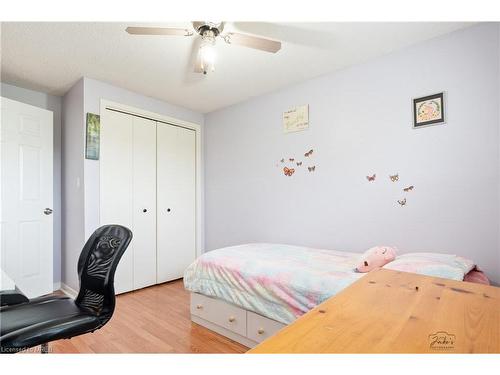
(296, 119)
(428, 110)
(92, 137)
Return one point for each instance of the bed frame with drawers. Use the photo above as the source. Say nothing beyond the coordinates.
(234, 322)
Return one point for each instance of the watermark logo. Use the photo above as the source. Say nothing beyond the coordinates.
(442, 340)
(35, 349)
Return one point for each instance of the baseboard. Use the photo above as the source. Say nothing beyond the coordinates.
(70, 292)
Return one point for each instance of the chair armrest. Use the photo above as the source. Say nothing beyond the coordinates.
(12, 297)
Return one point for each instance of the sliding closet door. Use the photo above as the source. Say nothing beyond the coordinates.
(176, 179)
(144, 202)
(116, 176)
(128, 193)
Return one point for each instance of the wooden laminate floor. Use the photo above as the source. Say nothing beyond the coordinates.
(151, 320)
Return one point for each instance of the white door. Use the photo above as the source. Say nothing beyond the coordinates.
(128, 193)
(26, 196)
(176, 195)
(144, 202)
(116, 180)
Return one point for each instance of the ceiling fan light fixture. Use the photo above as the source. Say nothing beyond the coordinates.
(208, 32)
(207, 52)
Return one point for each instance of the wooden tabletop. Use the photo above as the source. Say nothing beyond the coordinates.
(397, 312)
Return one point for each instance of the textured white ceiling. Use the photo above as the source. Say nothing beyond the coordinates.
(51, 57)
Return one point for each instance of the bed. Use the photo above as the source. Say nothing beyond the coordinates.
(248, 292)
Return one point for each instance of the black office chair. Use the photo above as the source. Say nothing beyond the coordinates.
(45, 319)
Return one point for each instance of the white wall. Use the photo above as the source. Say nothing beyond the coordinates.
(52, 103)
(360, 123)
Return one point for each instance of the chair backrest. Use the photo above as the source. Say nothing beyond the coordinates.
(96, 269)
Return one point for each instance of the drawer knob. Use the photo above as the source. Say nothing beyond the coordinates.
(232, 319)
(260, 331)
(199, 307)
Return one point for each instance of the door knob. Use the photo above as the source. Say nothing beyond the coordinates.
(144, 210)
(47, 211)
(168, 210)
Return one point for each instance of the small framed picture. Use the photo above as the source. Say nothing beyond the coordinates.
(92, 137)
(296, 119)
(428, 110)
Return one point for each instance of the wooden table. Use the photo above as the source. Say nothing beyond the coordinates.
(397, 312)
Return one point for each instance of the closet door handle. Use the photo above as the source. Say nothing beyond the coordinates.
(144, 210)
(168, 210)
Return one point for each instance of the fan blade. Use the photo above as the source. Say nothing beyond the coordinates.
(158, 31)
(297, 33)
(256, 42)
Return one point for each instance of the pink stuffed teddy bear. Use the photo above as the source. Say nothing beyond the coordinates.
(376, 257)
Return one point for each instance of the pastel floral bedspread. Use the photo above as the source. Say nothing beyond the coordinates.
(281, 282)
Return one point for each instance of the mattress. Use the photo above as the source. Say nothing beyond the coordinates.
(280, 282)
(283, 282)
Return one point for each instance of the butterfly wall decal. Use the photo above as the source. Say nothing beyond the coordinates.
(402, 202)
(308, 153)
(282, 160)
(291, 159)
(311, 169)
(288, 171)
(371, 178)
(394, 178)
(409, 188)
(299, 163)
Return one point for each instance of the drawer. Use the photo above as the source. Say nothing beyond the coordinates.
(219, 312)
(260, 328)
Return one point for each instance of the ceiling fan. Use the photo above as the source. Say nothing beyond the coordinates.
(209, 32)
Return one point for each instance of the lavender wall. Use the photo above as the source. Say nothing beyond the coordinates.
(360, 123)
(72, 184)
